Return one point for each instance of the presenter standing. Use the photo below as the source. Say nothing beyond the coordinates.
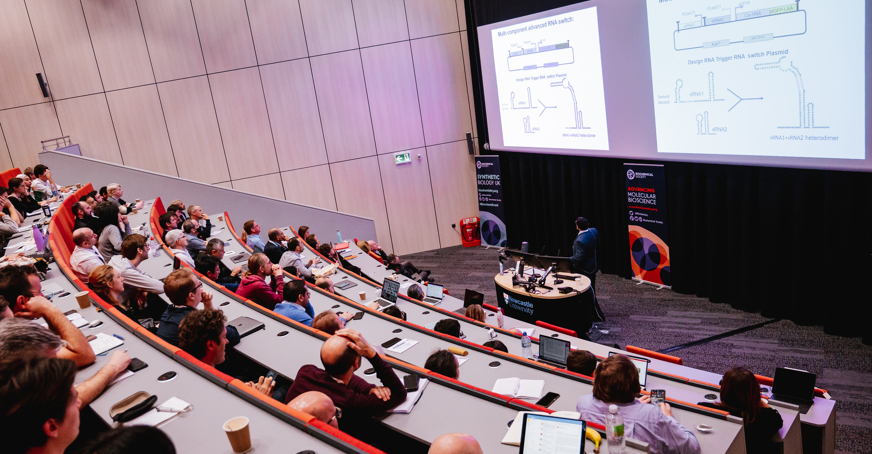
(584, 257)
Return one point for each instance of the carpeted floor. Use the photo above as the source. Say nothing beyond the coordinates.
(656, 319)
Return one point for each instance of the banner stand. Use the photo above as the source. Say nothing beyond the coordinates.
(646, 224)
(490, 201)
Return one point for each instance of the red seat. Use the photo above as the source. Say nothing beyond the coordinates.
(559, 329)
(655, 355)
(7, 175)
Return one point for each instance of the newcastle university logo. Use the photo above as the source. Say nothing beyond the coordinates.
(631, 174)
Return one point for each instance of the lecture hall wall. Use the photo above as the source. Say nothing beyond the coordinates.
(303, 100)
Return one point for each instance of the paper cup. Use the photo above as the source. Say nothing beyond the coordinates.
(84, 300)
(220, 218)
(135, 210)
(363, 296)
(238, 434)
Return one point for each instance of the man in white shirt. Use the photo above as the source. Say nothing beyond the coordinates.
(43, 183)
(177, 242)
(85, 256)
(134, 250)
(293, 258)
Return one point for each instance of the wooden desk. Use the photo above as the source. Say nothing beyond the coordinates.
(571, 310)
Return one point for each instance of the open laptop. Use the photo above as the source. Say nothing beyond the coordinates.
(434, 294)
(388, 296)
(641, 365)
(795, 387)
(546, 433)
(472, 297)
(553, 351)
(246, 325)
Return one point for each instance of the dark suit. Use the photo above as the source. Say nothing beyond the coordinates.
(204, 232)
(584, 261)
(87, 221)
(274, 251)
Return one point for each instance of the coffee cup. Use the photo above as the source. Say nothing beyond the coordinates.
(84, 299)
(220, 218)
(363, 296)
(238, 433)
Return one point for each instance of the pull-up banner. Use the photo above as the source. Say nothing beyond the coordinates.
(649, 240)
(490, 200)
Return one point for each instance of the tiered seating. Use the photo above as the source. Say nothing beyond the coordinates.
(7, 175)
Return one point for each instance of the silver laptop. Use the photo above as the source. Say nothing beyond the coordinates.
(434, 294)
(246, 325)
(388, 296)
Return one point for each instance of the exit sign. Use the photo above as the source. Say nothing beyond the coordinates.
(402, 158)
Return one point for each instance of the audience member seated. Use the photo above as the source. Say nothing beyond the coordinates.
(43, 185)
(114, 193)
(448, 326)
(328, 322)
(318, 405)
(616, 382)
(312, 241)
(204, 225)
(104, 193)
(138, 285)
(110, 235)
(215, 248)
(185, 292)
(29, 172)
(93, 198)
(327, 251)
(296, 305)
(476, 312)
(84, 216)
(85, 256)
(293, 258)
(23, 337)
(167, 222)
(455, 444)
(340, 356)
(374, 247)
(394, 311)
(178, 242)
(415, 292)
(275, 247)
(21, 200)
(443, 362)
(21, 296)
(581, 362)
(131, 440)
(303, 231)
(254, 286)
(251, 236)
(325, 284)
(208, 265)
(496, 345)
(195, 244)
(407, 268)
(740, 395)
(10, 213)
(180, 208)
(174, 212)
(40, 404)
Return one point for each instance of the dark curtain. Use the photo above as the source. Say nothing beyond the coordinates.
(788, 243)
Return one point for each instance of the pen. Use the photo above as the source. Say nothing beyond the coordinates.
(117, 336)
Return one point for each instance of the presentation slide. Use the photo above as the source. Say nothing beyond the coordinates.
(759, 77)
(751, 82)
(550, 82)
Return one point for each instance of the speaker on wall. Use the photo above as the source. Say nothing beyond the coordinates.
(42, 85)
(469, 143)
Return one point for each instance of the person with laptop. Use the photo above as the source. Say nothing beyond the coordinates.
(476, 312)
(185, 292)
(616, 382)
(415, 292)
(740, 395)
(581, 362)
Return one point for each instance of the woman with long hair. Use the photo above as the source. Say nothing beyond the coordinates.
(476, 312)
(108, 221)
(107, 284)
(740, 395)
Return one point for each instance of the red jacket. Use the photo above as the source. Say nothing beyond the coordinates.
(254, 288)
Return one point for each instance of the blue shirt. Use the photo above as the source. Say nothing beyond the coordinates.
(643, 422)
(296, 312)
(255, 241)
(172, 318)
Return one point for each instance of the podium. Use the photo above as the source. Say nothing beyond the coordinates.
(570, 310)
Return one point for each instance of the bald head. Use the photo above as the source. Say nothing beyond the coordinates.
(84, 237)
(455, 444)
(338, 359)
(316, 404)
(275, 235)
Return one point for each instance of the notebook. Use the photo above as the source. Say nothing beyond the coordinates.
(522, 389)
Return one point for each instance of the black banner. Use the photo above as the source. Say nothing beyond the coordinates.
(490, 200)
(649, 240)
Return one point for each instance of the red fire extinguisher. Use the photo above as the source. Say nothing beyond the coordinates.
(469, 232)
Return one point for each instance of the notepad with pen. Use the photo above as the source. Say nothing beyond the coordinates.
(522, 389)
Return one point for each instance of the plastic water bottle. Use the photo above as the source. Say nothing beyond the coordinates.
(338, 235)
(615, 431)
(153, 247)
(526, 350)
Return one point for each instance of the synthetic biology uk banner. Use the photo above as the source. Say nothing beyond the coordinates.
(490, 200)
(649, 242)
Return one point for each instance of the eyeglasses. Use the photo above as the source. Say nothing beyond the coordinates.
(198, 286)
(336, 415)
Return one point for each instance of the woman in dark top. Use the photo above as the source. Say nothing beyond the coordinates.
(22, 202)
(740, 395)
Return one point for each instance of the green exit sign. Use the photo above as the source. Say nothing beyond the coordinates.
(402, 158)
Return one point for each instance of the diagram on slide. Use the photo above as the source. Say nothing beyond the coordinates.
(549, 77)
(759, 77)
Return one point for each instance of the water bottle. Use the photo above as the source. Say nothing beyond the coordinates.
(615, 431)
(153, 247)
(338, 235)
(526, 351)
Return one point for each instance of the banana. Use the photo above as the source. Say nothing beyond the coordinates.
(595, 437)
